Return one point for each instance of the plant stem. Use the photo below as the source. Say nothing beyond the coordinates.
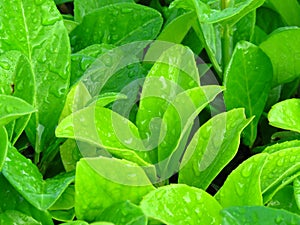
(226, 38)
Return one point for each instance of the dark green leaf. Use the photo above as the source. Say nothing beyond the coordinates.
(248, 82)
(181, 204)
(63, 215)
(123, 213)
(285, 115)
(26, 178)
(258, 215)
(280, 46)
(116, 180)
(242, 186)
(36, 29)
(112, 24)
(212, 148)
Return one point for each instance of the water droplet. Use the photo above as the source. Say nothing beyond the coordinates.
(9, 109)
(187, 197)
(280, 162)
(38, 2)
(126, 10)
(5, 65)
(246, 172)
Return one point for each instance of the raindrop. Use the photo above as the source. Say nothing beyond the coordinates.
(126, 10)
(9, 109)
(5, 65)
(246, 172)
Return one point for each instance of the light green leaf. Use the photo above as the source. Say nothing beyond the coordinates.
(12, 200)
(282, 146)
(12, 108)
(25, 177)
(258, 215)
(248, 83)
(242, 186)
(212, 148)
(119, 136)
(3, 146)
(66, 200)
(70, 154)
(181, 204)
(38, 32)
(281, 168)
(178, 121)
(84, 7)
(63, 215)
(289, 11)
(123, 213)
(116, 180)
(12, 217)
(283, 44)
(297, 191)
(174, 72)
(285, 115)
(112, 24)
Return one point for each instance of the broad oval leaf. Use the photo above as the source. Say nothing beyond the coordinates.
(25, 177)
(285, 115)
(12, 108)
(258, 215)
(248, 83)
(3, 146)
(36, 29)
(11, 217)
(242, 186)
(112, 24)
(124, 213)
(178, 202)
(116, 180)
(212, 148)
(283, 48)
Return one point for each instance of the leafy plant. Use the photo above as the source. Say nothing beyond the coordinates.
(109, 115)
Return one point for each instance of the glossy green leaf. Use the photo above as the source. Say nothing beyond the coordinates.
(77, 222)
(282, 146)
(212, 148)
(174, 72)
(70, 154)
(296, 187)
(112, 24)
(248, 83)
(288, 10)
(119, 136)
(12, 200)
(178, 121)
(181, 204)
(12, 217)
(258, 215)
(268, 20)
(84, 7)
(116, 180)
(123, 213)
(26, 178)
(65, 201)
(3, 146)
(281, 45)
(244, 29)
(285, 115)
(285, 199)
(13, 108)
(280, 169)
(63, 215)
(81, 60)
(37, 31)
(242, 186)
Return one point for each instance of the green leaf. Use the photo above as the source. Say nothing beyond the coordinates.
(80, 61)
(258, 215)
(112, 24)
(63, 215)
(288, 10)
(178, 203)
(116, 180)
(285, 115)
(285, 199)
(282, 146)
(212, 148)
(242, 186)
(84, 7)
(104, 128)
(268, 20)
(281, 168)
(12, 108)
(26, 178)
(70, 154)
(3, 146)
(38, 32)
(66, 200)
(248, 83)
(178, 121)
(12, 200)
(12, 217)
(297, 191)
(174, 72)
(123, 213)
(281, 45)
(244, 29)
